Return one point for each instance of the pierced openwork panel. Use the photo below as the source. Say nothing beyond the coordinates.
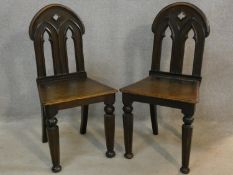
(56, 20)
(180, 18)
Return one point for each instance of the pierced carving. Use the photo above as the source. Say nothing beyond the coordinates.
(56, 20)
(181, 15)
(56, 17)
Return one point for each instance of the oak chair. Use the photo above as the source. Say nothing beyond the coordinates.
(64, 89)
(172, 89)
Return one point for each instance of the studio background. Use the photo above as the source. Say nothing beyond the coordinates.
(117, 50)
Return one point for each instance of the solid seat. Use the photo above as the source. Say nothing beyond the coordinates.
(62, 91)
(165, 88)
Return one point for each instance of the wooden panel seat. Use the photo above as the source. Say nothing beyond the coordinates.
(68, 90)
(165, 88)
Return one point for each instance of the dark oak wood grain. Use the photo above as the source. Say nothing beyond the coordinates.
(65, 89)
(171, 89)
(165, 88)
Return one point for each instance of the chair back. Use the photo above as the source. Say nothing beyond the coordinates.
(180, 18)
(56, 20)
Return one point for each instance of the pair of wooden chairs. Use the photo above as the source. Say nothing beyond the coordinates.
(67, 90)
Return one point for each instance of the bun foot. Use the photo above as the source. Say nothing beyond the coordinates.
(110, 154)
(56, 168)
(82, 132)
(184, 170)
(128, 155)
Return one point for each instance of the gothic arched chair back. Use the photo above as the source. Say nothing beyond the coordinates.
(180, 18)
(56, 20)
(65, 89)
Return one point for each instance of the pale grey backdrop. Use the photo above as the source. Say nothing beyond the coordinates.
(117, 47)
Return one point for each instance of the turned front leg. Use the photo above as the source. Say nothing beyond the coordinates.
(109, 123)
(128, 129)
(53, 138)
(187, 130)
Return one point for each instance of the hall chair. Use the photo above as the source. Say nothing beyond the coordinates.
(66, 89)
(171, 89)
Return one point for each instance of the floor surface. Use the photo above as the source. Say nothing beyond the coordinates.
(21, 150)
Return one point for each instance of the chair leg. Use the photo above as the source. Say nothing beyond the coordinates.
(187, 130)
(44, 134)
(83, 127)
(154, 122)
(109, 124)
(128, 129)
(53, 138)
